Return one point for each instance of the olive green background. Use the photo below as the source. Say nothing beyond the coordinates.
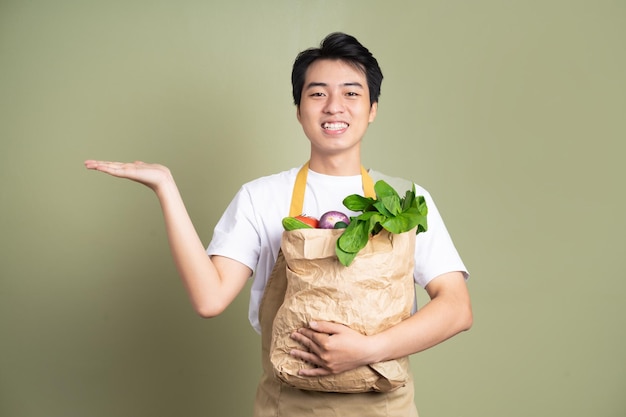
(512, 113)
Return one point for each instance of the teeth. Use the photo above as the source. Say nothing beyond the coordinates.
(334, 126)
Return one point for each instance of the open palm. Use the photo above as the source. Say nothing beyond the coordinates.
(151, 175)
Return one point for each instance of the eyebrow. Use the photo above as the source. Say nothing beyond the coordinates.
(319, 84)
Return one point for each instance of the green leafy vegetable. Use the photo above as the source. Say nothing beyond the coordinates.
(387, 211)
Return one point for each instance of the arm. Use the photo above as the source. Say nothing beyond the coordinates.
(211, 282)
(336, 348)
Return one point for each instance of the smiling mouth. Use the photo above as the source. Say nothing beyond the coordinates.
(334, 126)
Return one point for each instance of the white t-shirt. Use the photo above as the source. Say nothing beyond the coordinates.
(250, 229)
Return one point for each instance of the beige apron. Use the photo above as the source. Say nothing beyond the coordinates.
(277, 399)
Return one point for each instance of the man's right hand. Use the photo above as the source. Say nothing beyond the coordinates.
(150, 175)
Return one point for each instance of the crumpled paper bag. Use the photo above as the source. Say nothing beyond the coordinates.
(374, 293)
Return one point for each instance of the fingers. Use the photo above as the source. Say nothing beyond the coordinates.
(317, 371)
(101, 165)
(112, 168)
(314, 341)
(311, 358)
(327, 327)
(92, 163)
(118, 169)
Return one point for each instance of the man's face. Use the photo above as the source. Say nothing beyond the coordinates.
(335, 109)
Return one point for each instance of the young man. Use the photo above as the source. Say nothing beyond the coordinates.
(336, 89)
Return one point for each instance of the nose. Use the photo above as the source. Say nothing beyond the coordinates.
(334, 104)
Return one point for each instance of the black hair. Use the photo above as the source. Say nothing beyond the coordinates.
(342, 47)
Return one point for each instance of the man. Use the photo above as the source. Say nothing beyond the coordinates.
(336, 89)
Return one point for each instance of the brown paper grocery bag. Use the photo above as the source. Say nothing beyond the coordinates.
(375, 292)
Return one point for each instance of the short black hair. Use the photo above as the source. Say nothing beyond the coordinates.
(342, 47)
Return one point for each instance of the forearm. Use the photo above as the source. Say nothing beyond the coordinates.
(445, 315)
(209, 292)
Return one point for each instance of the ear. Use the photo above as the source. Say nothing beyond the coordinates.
(373, 111)
(298, 113)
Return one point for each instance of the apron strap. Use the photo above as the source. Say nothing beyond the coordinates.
(297, 197)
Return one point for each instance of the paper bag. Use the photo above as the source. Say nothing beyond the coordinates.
(375, 292)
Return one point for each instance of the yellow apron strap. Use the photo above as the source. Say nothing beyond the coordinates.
(368, 183)
(297, 197)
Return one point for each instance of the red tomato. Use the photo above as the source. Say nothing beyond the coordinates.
(311, 221)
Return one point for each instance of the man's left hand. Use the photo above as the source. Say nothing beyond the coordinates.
(332, 348)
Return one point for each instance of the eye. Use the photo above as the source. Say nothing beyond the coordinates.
(352, 94)
(316, 94)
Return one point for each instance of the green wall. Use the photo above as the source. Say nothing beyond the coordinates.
(511, 113)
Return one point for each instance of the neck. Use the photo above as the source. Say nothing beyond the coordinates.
(337, 166)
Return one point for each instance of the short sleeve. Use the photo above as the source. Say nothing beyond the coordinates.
(235, 235)
(435, 253)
